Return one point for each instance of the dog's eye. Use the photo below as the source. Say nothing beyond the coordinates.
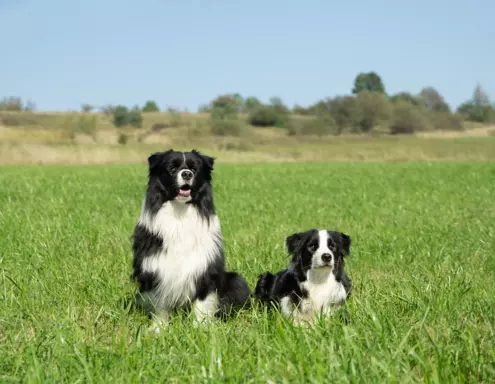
(312, 247)
(173, 169)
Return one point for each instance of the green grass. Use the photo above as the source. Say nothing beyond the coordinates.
(422, 265)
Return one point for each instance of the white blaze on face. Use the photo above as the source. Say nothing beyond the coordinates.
(180, 178)
(322, 250)
(184, 193)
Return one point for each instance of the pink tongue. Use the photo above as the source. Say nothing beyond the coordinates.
(184, 193)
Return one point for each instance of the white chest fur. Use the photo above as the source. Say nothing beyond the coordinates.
(190, 244)
(324, 295)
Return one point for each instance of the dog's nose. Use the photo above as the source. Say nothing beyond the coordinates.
(326, 257)
(187, 175)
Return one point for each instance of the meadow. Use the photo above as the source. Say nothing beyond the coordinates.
(422, 263)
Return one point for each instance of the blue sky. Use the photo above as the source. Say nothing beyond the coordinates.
(183, 53)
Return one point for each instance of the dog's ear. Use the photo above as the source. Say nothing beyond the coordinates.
(294, 242)
(207, 160)
(156, 158)
(346, 244)
(153, 160)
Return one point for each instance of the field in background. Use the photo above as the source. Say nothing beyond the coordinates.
(422, 265)
(28, 137)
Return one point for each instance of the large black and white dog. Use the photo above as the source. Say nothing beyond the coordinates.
(315, 282)
(178, 245)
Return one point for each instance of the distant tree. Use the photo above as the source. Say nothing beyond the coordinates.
(87, 108)
(228, 104)
(369, 81)
(433, 100)
(479, 108)
(250, 103)
(370, 109)
(11, 103)
(407, 118)
(278, 104)
(134, 117)
(264, 116)
(151, 106)
(30, 106)
(342, 109)
(406, 97)
(120, 116)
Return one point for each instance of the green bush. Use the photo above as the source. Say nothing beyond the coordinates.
(371, 108)
(266, 116)
(407, 119)
(120, 116)
(150, 106)
(320, 126)
(227, 127)
(446, 121)
(135, 118)
(342, 109)
(123, 138)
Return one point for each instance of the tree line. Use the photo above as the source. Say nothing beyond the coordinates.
(368, 107)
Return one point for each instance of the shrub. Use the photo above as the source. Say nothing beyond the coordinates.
(227, 127)
(135, 118)
(320, 126)
(11, 104)
(446, 121)
(371, 108)
(265, 116)
(123, 138)
(407, 119)
(229, 104)
(150, 106)
(120, 116)
(342, 110)
(251, 103)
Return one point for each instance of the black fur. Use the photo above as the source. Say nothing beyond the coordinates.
(271, 288)
(232, 290)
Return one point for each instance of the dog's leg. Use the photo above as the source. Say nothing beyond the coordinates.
(205, 310)
(161, 319)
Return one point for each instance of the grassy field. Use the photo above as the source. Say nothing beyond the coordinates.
(45, 138)
(422, 264)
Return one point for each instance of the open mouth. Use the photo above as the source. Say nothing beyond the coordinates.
(185, 190)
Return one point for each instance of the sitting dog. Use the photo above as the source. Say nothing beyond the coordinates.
(315, 281)
(178, 252)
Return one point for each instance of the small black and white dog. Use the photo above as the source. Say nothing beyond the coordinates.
(315, 282)
(178, 245)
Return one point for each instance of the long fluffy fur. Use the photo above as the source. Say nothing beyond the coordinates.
(309, 285)
(178, 246)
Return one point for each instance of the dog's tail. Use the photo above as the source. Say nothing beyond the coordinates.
(234, 295)
(264, 287)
